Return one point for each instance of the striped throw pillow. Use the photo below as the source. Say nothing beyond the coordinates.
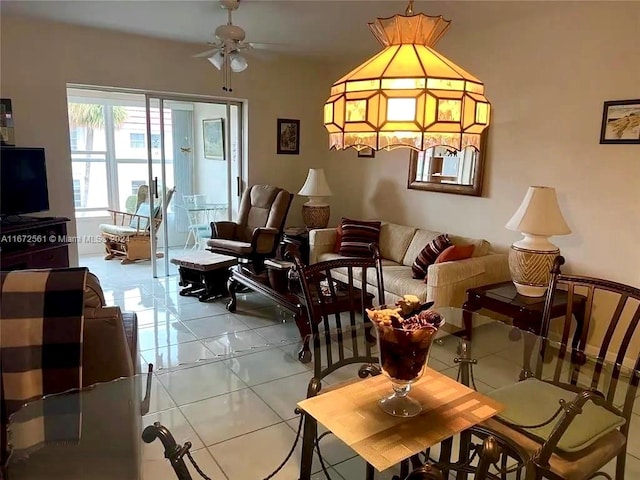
(428, 255)
(356, 237)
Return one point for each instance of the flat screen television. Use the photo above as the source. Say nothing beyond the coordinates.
(23, 181)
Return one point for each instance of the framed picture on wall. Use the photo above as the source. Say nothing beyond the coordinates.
(621, 122)
(213, 136)
(288, 136)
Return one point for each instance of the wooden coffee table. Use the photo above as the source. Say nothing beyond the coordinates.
(204, 274)
(274, 284)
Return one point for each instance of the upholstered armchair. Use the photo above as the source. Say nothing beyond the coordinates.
(261, 218)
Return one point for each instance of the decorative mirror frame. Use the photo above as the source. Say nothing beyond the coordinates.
(474, 190)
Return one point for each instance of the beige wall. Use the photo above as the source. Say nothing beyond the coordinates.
(39, 58)
(547, 76)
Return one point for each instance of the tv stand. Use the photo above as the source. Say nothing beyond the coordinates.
(33, 242)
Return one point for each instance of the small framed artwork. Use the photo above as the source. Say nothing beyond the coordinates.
(367, 152)
(288, 136)
(621, 122)
(213, 137)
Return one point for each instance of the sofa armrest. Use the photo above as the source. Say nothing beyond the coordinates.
(264, 239)
(321, 240)
(225, 230)
(105, 351)
(447, 282)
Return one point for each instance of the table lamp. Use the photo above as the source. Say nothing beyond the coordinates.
(531, 259)
(315, 212)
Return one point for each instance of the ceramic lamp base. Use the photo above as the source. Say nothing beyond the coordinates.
(531, 269)
(315, 216)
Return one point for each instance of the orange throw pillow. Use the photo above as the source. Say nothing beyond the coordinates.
(336, 247)
(455, 252)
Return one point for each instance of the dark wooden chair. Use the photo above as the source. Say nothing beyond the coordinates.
(592, 399)
(341, 332)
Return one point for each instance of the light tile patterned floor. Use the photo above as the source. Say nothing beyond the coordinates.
(239, 412)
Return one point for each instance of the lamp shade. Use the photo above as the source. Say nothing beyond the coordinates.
(217, 59)
(238, 62)
(539, 214)
(408, 95)
(316, 184)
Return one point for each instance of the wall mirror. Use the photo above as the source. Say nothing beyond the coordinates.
(444, 169)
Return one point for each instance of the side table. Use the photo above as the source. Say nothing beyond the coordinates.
(298, 240)
(526, 312)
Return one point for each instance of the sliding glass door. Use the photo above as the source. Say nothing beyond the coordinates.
(194, 167)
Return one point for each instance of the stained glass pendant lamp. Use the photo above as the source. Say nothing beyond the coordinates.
(408, 95)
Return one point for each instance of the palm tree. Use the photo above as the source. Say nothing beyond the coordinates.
(91, 117)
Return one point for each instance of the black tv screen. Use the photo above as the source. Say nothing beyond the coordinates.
(23, 181)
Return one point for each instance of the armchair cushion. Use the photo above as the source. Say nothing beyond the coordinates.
(230, 247)
(533, 401)
(120, 230)
(141, 220)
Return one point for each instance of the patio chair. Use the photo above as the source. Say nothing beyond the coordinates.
(129, 236)
(198, 229)
(573, 416)
(256, 235)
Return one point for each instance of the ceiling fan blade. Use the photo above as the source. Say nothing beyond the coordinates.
(265, 45)
(208, 53)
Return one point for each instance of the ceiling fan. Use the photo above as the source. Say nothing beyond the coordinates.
(226, 52)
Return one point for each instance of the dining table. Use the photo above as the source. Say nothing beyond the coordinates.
(113, 438)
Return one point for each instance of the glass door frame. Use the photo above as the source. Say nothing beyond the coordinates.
(153, 185)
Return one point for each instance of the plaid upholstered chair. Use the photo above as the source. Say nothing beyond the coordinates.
(256, 234)
(95, 342)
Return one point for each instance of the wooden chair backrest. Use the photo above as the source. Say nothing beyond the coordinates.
(617, 308)
(346, 345)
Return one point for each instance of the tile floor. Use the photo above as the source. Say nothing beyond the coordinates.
(237, 407)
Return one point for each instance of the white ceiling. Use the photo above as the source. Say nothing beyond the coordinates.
(302, 27)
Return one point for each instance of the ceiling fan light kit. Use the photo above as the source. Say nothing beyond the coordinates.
(225, 55)
(408, 95)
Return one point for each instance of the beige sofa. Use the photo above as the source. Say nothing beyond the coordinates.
(446, 283)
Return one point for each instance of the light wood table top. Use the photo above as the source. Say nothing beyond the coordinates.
(352, 413)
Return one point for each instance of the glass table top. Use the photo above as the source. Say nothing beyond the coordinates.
(96, 433)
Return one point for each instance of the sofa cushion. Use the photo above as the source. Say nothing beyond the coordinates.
(394, 241)
(356, 237)
(398, 281)
(428, 255)
(480, 247)
(419, 240)
(455, 252)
